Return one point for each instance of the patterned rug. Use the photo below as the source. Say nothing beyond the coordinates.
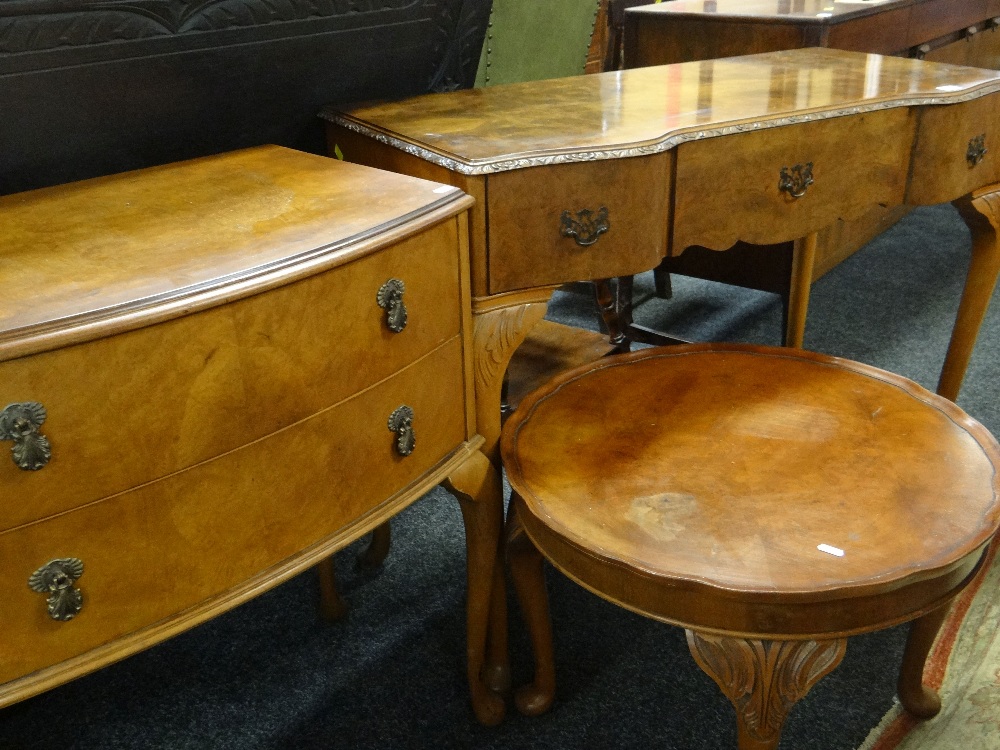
(965, 666)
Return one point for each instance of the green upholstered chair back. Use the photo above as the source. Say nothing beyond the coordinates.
(528, 40)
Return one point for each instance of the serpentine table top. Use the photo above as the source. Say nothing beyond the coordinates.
(651, 110)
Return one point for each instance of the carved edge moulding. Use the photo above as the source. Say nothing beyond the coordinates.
(667, 143)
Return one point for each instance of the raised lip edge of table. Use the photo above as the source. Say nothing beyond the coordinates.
(987, 443)
(912, 586)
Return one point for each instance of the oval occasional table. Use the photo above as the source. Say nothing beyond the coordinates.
(770, 501)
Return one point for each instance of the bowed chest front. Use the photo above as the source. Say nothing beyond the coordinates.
(215, 373)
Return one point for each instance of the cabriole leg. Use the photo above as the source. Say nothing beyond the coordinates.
(981, 212)
(526, 570)
(920, 700)
(477, 486)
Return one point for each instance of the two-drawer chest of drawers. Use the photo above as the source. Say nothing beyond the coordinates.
(214, 374)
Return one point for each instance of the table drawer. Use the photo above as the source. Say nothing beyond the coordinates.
(948, 160)
(130, 408)
(155, 551)
(531, 210)
(729, 189)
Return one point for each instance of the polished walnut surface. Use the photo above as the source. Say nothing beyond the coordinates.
(134, 244)
(647, 110)
(699, 486)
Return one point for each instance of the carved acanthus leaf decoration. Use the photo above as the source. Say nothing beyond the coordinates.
(496, 335)
(32, 33)
(764, 679)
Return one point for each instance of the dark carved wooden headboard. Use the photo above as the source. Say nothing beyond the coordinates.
(92, 87)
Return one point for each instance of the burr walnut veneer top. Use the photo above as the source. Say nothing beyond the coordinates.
(649, 110)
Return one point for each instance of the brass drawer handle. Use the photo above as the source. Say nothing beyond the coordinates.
(20, 423)
(586, 227)
(390, 299)
(977, 150)
(795, 181)
(401, 422)
(57, 578)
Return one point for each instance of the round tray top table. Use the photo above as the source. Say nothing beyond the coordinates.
(770, 501)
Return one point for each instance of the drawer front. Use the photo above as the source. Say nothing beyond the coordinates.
(532, 212)
(946, 162)
(134, 407)
(730, 188)
(152, 552)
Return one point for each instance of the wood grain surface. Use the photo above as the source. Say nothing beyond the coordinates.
(493, 129)
(747, 461)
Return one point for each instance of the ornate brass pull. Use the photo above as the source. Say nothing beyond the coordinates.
(586, 227)
(56, 578)
(401, 422)
(20, 423)
(390, 299)
(796, 180)
(977, 150)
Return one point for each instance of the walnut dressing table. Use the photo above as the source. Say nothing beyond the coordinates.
(214, 375)
(600, 176)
